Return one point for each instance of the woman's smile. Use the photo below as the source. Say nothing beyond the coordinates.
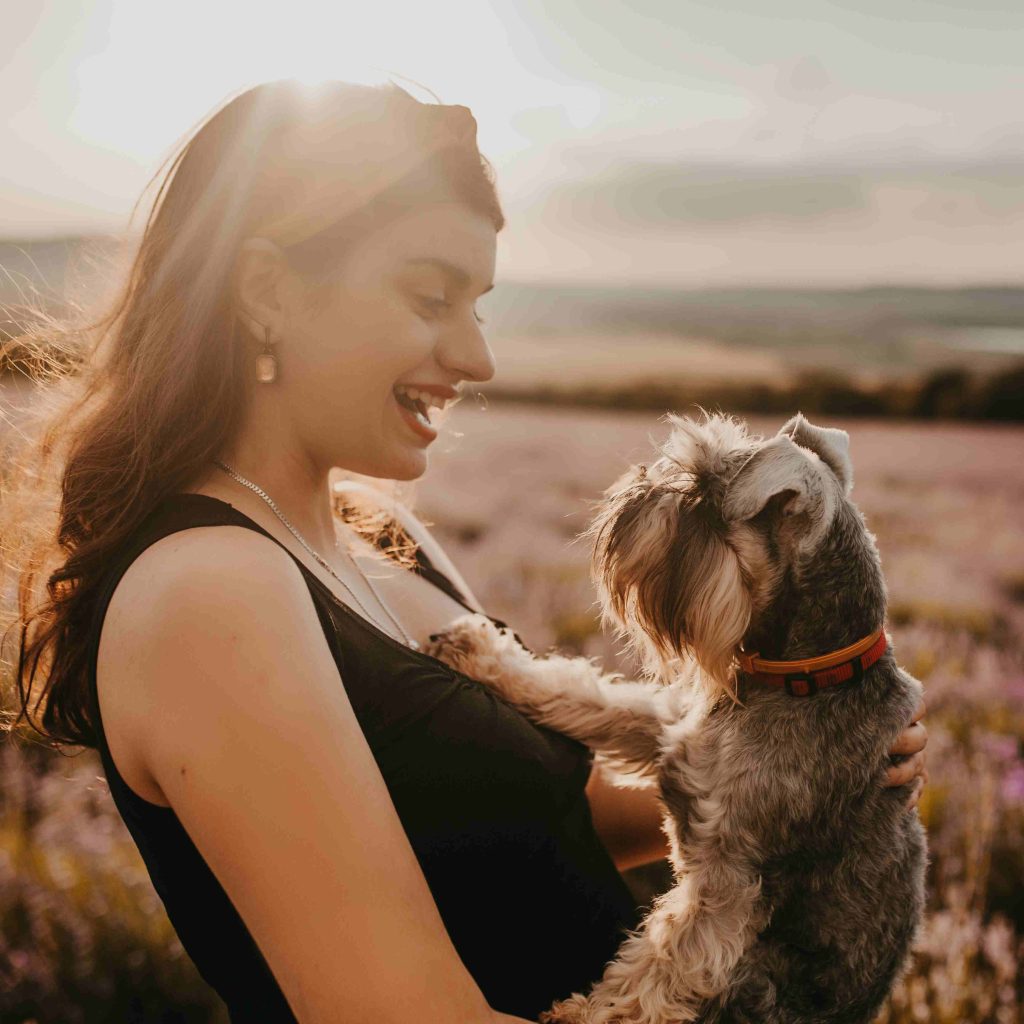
(416, 402)
(414, 415)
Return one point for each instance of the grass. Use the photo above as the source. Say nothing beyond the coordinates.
(85, 937)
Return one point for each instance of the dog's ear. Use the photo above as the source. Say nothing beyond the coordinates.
(830, 444)
(663, 567)
(781, 470)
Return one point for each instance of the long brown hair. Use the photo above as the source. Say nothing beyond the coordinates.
(139, 399)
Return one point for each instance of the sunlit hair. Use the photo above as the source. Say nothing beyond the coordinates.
(135, 402)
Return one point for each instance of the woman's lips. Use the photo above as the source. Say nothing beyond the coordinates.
(415, 421)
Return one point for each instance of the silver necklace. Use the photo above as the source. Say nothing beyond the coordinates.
(298, 536)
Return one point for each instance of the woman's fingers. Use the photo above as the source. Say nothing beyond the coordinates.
(902, 773)
(915, 796)
(918, 711)
(910, 746)
(911, 740)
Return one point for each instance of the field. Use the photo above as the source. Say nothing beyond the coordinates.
(508, 490)
(879, 351)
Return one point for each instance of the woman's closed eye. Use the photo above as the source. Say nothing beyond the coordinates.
(438, 306)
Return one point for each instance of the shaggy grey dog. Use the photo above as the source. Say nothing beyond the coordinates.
(799, 878)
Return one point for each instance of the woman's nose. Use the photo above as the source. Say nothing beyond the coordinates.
(464, 350)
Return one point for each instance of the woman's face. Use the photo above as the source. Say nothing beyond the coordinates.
(398, 317)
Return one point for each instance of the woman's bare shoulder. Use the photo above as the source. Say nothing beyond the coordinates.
(208, 567)
(159, 596)
(196, 558)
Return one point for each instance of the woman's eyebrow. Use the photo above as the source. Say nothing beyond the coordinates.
(456, 272)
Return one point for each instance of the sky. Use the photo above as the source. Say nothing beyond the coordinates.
(801, 142)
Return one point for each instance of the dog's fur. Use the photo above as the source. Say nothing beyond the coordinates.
(799, 877)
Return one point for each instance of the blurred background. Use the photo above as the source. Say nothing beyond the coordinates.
(760, 208)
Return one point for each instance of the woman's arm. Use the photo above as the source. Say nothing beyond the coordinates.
(628, 821)
(246, 728)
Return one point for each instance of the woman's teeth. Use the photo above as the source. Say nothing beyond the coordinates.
(418, 402)
(421, 396)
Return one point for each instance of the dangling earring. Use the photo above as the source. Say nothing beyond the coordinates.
(266, 361)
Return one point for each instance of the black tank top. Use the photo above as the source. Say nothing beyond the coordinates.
(493, 806)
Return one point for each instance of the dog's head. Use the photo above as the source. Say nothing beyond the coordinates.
(690, 549)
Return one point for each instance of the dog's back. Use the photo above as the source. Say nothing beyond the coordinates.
(840, 857)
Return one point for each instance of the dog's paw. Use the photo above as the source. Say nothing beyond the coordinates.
(466, 636)
(568, 1011)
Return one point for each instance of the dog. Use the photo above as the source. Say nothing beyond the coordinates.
(749, 586)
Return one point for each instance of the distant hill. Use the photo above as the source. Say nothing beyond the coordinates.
(605, 340)
(896, 328)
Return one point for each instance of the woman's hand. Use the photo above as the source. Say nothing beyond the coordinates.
(910, 744)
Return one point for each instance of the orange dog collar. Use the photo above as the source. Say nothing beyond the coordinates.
(806, 676)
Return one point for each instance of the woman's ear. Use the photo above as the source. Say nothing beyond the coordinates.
(259, 284)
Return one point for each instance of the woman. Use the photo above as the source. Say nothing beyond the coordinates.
(341, 828)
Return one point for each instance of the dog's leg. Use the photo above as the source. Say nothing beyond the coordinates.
(683, 954)
(622, 720)
(686, 951)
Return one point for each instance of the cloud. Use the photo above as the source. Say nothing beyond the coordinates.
(793, 196)
(542, 123)
(659, 196)
(804, 80)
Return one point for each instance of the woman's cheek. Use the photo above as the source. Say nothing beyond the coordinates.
(420, 337)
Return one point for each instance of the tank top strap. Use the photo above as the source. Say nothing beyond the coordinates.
(424, 566)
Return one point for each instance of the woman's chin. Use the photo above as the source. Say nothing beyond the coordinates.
(411, 464)
(408, 466)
